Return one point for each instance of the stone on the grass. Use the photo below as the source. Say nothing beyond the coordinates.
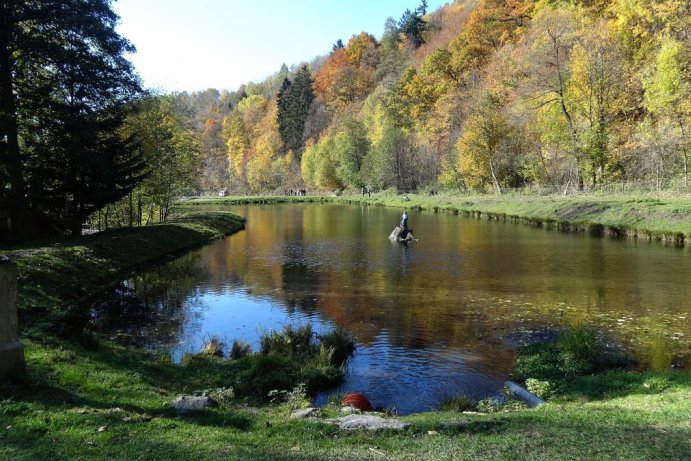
(303, 413)
(185, 404)
(370, 422)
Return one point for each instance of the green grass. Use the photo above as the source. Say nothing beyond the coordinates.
(664, 218)
(57, 274)
(115, 403)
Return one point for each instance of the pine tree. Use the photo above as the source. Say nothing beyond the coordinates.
(413, 26)
(294, 100)
(64, 89)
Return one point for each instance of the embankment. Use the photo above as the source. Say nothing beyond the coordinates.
(664, 219)
(57, 274)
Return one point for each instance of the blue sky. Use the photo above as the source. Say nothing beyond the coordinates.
(183, 45)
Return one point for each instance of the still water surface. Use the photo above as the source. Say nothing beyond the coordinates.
(433, 319)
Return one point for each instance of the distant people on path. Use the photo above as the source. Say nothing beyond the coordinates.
(298, 193)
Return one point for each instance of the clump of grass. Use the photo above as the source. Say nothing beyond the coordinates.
(288, 342)
(576, 353)
(457, 403)
(214, 346)
(656, 384)
(239, 349)
(342, 343)
(289, 358)
(578, 350)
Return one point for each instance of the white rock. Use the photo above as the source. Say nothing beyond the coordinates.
(369, 422)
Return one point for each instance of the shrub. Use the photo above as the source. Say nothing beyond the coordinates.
(540, 361)
(488, 405)
(542, 389)
(293, 399)
(223, 396)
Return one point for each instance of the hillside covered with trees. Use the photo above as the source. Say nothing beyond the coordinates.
(480, 95)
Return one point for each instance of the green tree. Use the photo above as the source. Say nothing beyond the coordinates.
(294, 100)
(64, 88)
(668, 93)
(170, 148)
(413, 26)
(487, 148)
(350, 148)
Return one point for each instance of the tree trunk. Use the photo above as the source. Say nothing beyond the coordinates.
(131, 209)
(20, 227)
(494, 176)
(684, 150)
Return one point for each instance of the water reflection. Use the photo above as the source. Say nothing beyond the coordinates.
(431, 318)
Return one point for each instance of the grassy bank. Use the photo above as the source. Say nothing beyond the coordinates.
(55, 275)
(661, 218)
(115, 403)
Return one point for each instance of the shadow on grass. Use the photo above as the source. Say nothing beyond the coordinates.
(615, 383)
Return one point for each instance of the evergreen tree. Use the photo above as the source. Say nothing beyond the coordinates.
(294, 100)
(64, 89)
(413, 26)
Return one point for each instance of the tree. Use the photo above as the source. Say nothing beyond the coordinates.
(487, 147)
(236, 143)
(552, 40)
(64, 88)
(294, 100)
(350, 148)
(413, 26)
(171, 152)
(596, 94)
(668, 91)
(391, 160)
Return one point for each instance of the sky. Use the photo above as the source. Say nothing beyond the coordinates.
(191, 46)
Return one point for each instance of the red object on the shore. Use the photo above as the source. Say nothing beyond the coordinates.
(358, 401)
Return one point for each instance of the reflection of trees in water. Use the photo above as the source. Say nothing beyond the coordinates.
(464, 285)
(152, 308)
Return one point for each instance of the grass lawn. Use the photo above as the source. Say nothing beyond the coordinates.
(114, 403)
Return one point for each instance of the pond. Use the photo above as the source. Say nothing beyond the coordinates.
(432, 319)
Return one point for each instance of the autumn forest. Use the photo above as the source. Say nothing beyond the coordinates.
(479, 95)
